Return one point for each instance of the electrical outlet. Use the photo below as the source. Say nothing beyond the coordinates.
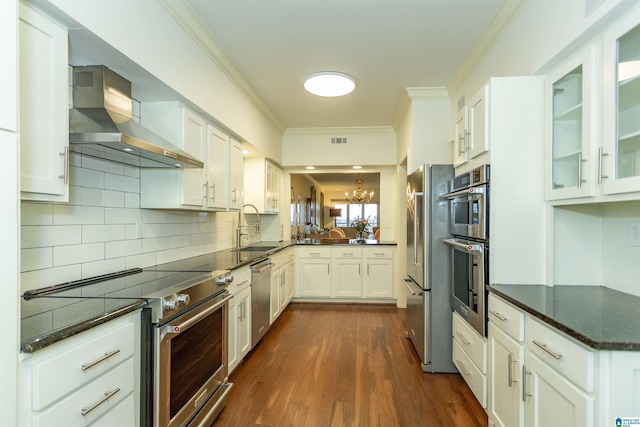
(634, 234)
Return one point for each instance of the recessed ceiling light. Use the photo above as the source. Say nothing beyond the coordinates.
(357, 167)
(310, 167)
(245, 151)
(329, 84)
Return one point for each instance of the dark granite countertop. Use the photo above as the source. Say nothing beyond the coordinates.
(57, 315)
(601, 318)
(351, 242)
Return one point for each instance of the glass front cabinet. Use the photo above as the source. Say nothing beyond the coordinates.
(570, 93)
(620, 156)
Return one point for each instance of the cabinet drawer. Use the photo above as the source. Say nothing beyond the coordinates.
(118, 383)
(347, 252)
(314, 252)
(566, 356)
(470, 341)
(475, 379)
(378, 253)
(506, 317)
(241, 280)
(64, 372)
(122, 415)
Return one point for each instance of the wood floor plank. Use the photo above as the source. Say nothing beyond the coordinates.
(344, 365)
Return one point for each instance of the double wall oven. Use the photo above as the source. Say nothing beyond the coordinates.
(469, 245)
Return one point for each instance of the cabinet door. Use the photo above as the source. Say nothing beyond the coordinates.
(347, 278)
(315, 278)
(44, 107)
(290, 282)
(506, 356)
(236, 174)
(217, 168)
(620, 159)
(478, 135)
(379, 278)
(460, 153)
(285, 278)
(551, 400)
(232, 332)
(569, 153)
(276, 281)
(243, 330)
(193, 142)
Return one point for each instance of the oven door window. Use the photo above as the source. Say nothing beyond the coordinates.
(461, 212)
(463, 283)
(196, 355)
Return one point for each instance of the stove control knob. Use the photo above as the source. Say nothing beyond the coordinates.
(228, 278)
(175, 301)
(220, 280)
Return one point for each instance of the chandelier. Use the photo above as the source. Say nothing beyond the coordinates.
(359, 195)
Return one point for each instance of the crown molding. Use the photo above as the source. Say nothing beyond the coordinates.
(427, 93)
(505, 14)
(192, 25)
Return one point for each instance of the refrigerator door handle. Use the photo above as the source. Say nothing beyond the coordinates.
(416, 226)
(412, 287)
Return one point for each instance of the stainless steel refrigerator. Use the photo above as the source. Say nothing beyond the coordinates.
(428, 323)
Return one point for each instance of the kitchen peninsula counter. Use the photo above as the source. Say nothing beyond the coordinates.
(351, 242)
(599, 317)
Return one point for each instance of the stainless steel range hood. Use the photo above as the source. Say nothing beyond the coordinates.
(101, 125)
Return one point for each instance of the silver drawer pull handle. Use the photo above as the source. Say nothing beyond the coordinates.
(107, 396)
(86, 366)
(464, 340)
(498, 315)
(543, 346)
(464, 371)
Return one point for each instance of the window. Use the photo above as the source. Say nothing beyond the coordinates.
(352, 211)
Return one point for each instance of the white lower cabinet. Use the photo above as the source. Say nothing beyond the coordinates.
(346, 272)
(281, 281)
(89, 379)
(556, 380)
(469, 354)
(239, 329)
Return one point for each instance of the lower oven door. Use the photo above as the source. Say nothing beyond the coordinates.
(468, 281)
(191, 361)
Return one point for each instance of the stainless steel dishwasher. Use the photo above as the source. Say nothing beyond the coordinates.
(260, 300)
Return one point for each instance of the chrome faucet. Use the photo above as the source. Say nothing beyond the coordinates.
(239, 232)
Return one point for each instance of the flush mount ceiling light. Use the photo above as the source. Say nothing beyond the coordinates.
(329, 84)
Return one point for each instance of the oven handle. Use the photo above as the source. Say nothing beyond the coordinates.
(466, 192)
(176, 329)
(467, 247)
(413, 288)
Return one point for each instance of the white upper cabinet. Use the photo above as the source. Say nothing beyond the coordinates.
(569, 150)
(44, 108)
(472, 128)
(262, 189)
(620, 157)
(207, 189)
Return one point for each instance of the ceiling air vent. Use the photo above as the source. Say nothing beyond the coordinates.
(339, 140)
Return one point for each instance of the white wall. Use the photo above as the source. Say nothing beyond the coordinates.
(155, 41)
(9, 212)
(313, 147)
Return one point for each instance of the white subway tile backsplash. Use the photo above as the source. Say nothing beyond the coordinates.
(150, 216)
(36, 258)
(123, 248)
(121, 183)
(141, 261)
(121, 216)
(180, 241)
(102, 233)
(36, 214)
(77, 254)
(98, 268)
(51, 276)
(156, 244)
(86, 177)
(39, 236)
(132, 200)
(77, 215)
(102, 166)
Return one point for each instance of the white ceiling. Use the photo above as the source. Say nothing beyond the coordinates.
(386, 45)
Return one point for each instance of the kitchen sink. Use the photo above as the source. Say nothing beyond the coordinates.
(256, 248)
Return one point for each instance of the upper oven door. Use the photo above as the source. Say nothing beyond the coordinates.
(468, 278)
(470, 212)
(191, 360)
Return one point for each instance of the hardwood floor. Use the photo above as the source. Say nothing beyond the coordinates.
(344, 365)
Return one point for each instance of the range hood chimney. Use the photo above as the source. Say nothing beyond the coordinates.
(101, 125)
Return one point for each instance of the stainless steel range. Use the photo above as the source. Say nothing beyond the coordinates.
(190, 350)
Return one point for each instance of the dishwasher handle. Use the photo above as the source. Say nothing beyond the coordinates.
(259, 268)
